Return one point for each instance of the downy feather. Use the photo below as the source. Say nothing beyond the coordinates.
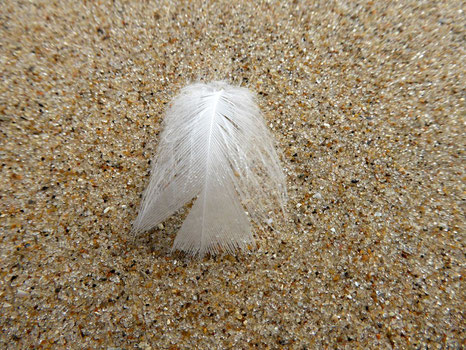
(214, 148)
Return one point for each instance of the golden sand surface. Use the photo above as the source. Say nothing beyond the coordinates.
(366, 100)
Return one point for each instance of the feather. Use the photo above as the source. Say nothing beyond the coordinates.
(214, 148)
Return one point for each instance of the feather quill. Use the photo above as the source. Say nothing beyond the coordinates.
(214, 148)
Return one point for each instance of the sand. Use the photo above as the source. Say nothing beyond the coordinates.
(367, 103)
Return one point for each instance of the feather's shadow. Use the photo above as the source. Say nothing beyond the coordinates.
(159, 241)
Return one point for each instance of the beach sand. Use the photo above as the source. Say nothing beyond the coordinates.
(367, 103)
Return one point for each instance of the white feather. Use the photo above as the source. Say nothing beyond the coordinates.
(214, 147)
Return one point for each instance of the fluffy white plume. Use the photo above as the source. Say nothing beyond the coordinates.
(216, 148)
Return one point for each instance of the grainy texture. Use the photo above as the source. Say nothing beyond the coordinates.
(367, 102)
